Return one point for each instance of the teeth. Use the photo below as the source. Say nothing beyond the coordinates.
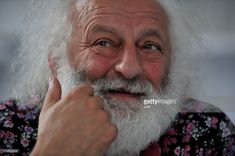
(124, 91)
(120, 90)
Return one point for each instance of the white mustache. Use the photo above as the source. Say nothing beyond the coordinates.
(136, 86)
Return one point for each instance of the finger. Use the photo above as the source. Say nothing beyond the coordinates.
(97, 102)
(86, 90)
(105, 138)
(53, 94)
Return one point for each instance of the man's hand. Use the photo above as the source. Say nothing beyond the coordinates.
(76, 124)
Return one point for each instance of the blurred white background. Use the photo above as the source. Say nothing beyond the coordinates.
(215, 73)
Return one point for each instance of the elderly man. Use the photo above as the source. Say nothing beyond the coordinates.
(112, 89)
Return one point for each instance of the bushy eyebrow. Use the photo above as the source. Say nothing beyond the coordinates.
(147, 32)
(103, 28)
(151, 32)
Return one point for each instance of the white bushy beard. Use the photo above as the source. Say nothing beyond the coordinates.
(137, 126)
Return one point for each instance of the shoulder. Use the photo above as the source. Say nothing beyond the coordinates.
(18, 124)
(203, 130)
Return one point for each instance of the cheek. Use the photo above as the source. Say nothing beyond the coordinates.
(97, 66)
(155, 72)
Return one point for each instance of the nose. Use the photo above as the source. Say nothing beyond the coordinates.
(129, 64)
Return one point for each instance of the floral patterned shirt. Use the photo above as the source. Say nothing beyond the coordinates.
(200, 131)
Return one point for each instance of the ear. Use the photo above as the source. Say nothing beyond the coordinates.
(52, 64)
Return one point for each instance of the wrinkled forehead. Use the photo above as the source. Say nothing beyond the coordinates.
(131, 8)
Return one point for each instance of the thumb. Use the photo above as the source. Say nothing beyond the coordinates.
(53, 94)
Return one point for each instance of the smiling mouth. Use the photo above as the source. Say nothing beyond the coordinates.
(122, 94)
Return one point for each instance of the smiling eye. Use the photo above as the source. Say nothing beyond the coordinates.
(103, 43)
(152, 47)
